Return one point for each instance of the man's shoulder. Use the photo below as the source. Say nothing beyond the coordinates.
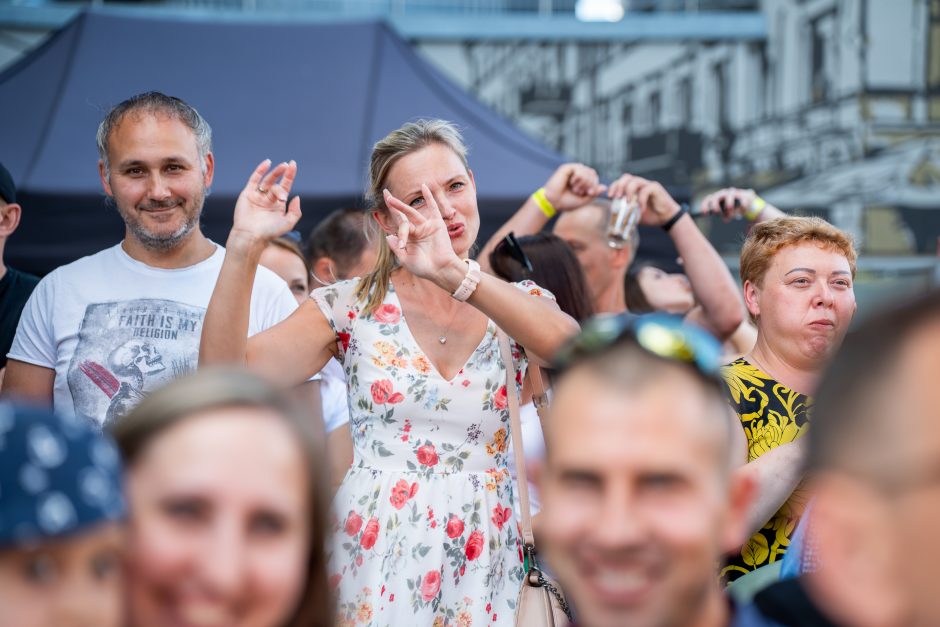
(82, 265)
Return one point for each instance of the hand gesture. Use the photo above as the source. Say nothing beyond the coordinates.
(420, 242)
(571, 186)
(654, 201)
(262, 211)
(730, 202)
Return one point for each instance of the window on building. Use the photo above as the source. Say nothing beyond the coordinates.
(655, 111)
(685, 101)
(821, 31)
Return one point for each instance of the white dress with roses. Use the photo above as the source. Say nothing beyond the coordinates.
(424, 532)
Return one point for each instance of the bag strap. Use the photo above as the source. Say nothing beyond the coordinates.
(515, 428)
(539, 394)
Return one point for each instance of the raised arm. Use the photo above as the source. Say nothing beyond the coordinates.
(420, 242)
(721, 307)
(298, 347)
(732, 202)
(571, 186)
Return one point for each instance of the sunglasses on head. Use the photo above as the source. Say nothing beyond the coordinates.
(510, 245)
(660, 335)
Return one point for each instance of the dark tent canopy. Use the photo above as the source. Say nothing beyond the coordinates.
(320, 93)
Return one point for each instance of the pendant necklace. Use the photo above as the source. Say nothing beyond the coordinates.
(443, 337)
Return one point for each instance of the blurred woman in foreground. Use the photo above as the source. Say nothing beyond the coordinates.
(228, 506)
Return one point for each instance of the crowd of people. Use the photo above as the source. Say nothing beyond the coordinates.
(377, 425)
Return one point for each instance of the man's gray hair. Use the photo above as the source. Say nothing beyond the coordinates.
(155, 102)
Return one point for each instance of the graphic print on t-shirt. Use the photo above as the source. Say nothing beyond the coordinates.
(127, 349)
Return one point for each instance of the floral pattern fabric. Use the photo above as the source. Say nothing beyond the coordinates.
(424, 531)
(771, 414)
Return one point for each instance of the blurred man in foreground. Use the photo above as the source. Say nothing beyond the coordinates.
(639, 499)
(874, 459)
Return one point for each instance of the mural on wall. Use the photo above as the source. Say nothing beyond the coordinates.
(836, 112)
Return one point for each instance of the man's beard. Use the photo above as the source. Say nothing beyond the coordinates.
(162, 242)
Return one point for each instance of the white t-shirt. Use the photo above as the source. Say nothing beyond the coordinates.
(114, 329)
(533, 446)
(334, 395)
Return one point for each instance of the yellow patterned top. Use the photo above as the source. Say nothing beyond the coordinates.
(771, 414)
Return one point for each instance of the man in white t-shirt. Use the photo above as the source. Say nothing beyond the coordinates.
(100, 333)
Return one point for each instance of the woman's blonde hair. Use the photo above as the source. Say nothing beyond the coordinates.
(401, 142)
(222, 387)
(767, 238)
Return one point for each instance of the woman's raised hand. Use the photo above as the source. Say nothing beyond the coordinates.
(261, 210)
(420, 241)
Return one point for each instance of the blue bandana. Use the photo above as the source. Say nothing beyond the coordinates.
(57, 476)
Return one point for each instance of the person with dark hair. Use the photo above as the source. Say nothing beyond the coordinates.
(15, 286)
(798, 276)
(424, 518)
(872, 463)
(62, 522)
(338, 249)
(100, 333)
(650, 289)
(546, 259)
(228, 506)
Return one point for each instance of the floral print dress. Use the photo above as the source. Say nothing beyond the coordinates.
(423, 530)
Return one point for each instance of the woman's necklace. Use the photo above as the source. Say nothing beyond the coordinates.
(443, 337)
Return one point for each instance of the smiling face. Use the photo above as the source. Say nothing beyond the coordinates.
(666, 292)
(804, 304)
(156, 179)
(637, 503)
(68, 581)
(220, 522)
(452, 185)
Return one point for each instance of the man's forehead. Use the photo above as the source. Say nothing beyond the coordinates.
(588, 412)
(583, 220)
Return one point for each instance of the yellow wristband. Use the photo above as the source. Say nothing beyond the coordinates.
(543, 202)
(756, 207)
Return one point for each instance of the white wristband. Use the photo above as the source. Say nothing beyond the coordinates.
(470, 281)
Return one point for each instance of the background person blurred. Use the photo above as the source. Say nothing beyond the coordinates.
(228, 499)
(284, 258)
(573, 192)
(798, 276)
(873, 468)
(425, 512)
(650, 289)
(100, 333)
(639, 501)
(61, 522)
(546, 259)
(15, 286)
(338, 249)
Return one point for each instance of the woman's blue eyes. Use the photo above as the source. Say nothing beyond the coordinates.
(455, 186)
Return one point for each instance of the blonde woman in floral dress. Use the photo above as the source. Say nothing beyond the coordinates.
(424, 528)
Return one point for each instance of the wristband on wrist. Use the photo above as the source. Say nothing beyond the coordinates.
(672, 221)
(470, 281)
(544, 204)
(756, 207)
